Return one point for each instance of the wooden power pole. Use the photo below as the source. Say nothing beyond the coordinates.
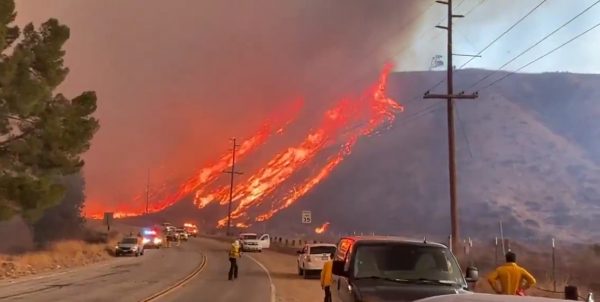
(147, 191)
(232, 172)
(449, 97)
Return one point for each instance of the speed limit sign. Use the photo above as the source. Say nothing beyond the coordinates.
(306, 217)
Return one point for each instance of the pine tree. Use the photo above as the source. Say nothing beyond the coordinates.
(42, 133)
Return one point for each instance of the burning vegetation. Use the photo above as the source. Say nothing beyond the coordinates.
(320, 152)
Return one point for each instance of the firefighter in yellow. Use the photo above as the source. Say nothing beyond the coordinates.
(327, 278)
(512, 278)
(234, 255)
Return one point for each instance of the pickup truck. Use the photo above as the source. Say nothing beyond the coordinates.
(394, 269)
(252, 243)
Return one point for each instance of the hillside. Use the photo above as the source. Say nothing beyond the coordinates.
(527, 155)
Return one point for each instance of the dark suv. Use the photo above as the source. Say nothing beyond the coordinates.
(394, 269)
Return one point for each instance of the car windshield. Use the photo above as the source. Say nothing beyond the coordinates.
(406, 262)
(249, 236)
(129, 240)
(322, 249)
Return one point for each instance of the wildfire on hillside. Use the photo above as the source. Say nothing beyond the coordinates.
(323, 228)
(341, 127)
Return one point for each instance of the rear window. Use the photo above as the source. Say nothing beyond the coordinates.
(322, 249)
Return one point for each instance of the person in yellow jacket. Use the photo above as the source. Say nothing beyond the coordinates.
(234, 255)
(327, 278)
(511, 277)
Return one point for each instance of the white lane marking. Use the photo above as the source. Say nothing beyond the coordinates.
(268, 275)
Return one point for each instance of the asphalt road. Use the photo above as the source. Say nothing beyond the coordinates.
(134, 279)
(253, 283)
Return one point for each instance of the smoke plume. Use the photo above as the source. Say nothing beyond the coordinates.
(176, 79)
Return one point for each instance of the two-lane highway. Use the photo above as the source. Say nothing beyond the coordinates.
(253, 283)
(135, 279)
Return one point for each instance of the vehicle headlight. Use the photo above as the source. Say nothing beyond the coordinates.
(116, 247)
(134, 248)
(157, 240)
(145, 240)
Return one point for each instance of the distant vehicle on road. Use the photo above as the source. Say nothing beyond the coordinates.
(487, 298)
(183, 235)
(312, 257)
(377, 268)
(151, 239)
(130, 246)
(191, 229)
(252, 243)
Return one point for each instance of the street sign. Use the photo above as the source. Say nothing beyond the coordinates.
(306, 217)
(108, 217)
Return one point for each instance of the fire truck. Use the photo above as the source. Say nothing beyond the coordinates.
(191, 229)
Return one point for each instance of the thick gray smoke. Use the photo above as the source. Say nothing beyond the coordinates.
(177, 78)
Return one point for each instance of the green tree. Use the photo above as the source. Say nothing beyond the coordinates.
(42, 133)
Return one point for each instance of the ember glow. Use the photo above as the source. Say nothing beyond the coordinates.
(323, 228)
(381, 110)
(211, 172)
(317, 154)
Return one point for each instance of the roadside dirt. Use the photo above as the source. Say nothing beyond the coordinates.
(290, 286)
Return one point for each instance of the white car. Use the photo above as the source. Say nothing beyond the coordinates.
(252, 243)
(313, 256)
(486, 298)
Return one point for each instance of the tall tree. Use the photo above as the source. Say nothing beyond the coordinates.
(42, 134)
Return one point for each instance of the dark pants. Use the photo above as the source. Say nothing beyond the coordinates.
(233, 268)
(327, 294)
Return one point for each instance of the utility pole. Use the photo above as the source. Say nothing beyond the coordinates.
(232, 172)
(147, 190)
(449, 97)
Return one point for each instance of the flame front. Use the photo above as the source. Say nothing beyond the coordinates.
(340, 128)
(323, 228)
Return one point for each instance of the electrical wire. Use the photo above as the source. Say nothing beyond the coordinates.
(474, 7)
(504, 33)
(543, 56)
(534, 45)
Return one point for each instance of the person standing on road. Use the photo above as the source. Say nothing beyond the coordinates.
(327, 278)
(234, 255)
(511, 277)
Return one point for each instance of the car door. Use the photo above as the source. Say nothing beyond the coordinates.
(340, 290)
(265, 241)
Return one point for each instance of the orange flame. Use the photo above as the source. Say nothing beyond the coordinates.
(211, 172)
(382, 111)
(350, 119)
(323, 228)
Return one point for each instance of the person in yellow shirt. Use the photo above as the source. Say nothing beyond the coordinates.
(327, 278)
(510, 277)
(234, 255)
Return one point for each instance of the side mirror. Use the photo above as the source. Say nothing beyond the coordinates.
(338, 268)
(472, 274)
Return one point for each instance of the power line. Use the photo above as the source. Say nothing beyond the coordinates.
(534, 45)
(474, 7)
(542, 56)
(504, 33)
